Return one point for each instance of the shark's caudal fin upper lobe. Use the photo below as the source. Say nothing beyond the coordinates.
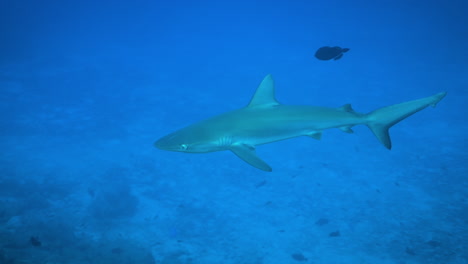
(380, 120)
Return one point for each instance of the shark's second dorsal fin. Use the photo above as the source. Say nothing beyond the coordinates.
(265, 94)
(347, 108)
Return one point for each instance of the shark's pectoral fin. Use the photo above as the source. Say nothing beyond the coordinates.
(247, 154)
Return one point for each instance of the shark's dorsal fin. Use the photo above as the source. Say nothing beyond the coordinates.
(265, 94)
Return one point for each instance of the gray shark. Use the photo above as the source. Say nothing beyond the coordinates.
(265, 120)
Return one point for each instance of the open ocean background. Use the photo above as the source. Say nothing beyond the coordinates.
(86, 87)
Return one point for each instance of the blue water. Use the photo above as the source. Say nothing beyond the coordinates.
(87, 88)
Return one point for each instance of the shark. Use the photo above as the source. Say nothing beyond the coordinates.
(265, 120)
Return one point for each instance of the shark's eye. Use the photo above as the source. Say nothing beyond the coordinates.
(183, 147)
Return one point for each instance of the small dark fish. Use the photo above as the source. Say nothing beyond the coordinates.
(334, 234)
(434, 243)
(328, 53)
(35, 241)
(260, 184)
(410, 251)
(322, 222)
(117, 250)
(298, 257)
(91, 192)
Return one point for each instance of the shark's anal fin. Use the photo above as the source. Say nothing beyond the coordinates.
(346, 129)
(247, 154)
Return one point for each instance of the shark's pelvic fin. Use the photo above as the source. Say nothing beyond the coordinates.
(265, 94)
(247, 154)
(380, 120)
(315, 135)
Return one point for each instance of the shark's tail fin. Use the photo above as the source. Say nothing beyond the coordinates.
(380, 120)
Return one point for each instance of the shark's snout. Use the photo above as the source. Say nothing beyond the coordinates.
(158, 144)
(163, 144)
(171, 142)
